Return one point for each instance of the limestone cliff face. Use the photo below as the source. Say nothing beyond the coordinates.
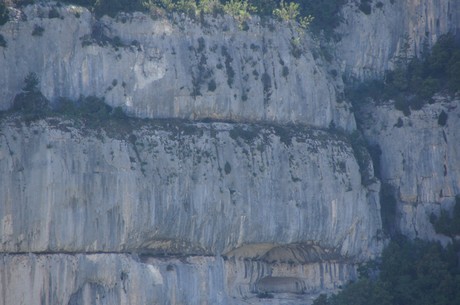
(173, 68)
(419, 159)
(178, 212)
(182, 188)
(418, 155)
(188, 212)
(285, 208)
(370, 43)
(107, 279)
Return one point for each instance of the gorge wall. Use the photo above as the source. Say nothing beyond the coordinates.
(236, 187)
(370, 43)
(174, 68)
(240, 202)
(418, 158)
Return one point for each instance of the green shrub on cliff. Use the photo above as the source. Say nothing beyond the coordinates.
(3, 42)
(414, 81)
(289, 12)
(326, 13)
(448, 223)
(32, 104)
(4, 15)
(239, 9)
(31, 101)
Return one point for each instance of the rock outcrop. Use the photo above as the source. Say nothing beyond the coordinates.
(237, 187)
(275, 202)
(419, 159)
(370, 43)
(181, 188)
(173, 68)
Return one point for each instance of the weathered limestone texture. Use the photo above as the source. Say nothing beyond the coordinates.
(203, 188)
(420, 158)
(109, 278)
(219, 213)
(173, 68)
(370, 43)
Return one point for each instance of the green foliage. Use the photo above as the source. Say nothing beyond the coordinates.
(86, 3)
(112, 7)
(54, 13)
(22, 2)
(326, 14)
(414, 81)
(67, 107)
(92, 109)
(321, 300)
(442, 118)
(33, 105)
(364, 292)
(290, 12)
(4, 15)
(362, 156)
(453, 70)
(365, 6)
(448, 223)
(265, 295)
(192, 8)
(188, 7)
(168, 5)
(228, 66)
(409, 273)
(3, 43)
(285, 71)
(213, 7)
(38, 30)
(287, 11)
(31, 82)
(388, 209)
(296, 47)
(239, 9)
(267, 86)
(264, 7)
(31, 101)
(212, 86)
(426, 76)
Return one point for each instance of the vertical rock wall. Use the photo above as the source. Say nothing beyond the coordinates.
(370, 43)
(419, 160)
(173, 68)
(179, 212)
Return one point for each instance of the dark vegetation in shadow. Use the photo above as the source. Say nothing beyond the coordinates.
(414, 81)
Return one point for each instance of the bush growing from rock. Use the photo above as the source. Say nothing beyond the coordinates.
(3, 43)
(31, 100)
(4, 15)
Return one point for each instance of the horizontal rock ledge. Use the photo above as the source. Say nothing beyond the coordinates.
(115, 278)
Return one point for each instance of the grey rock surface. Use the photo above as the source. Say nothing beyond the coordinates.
(174, 67)
(371, 43)
(188, 212)
(420, 159)
(181, 188)
(111, 279)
